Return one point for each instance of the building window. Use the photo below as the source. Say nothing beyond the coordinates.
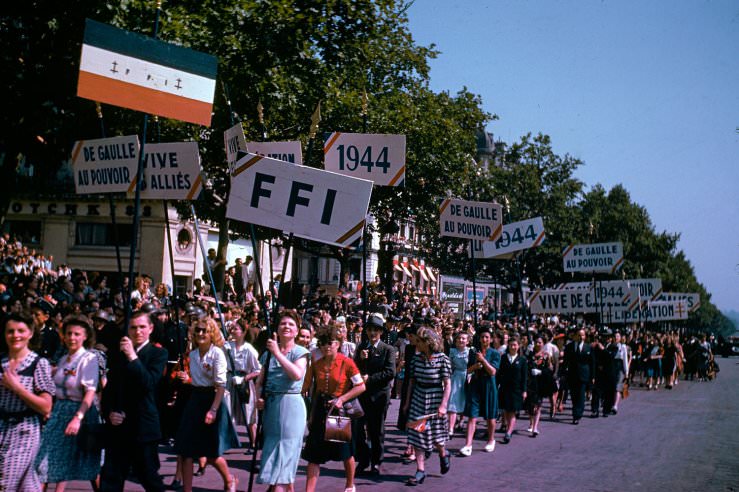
(97, 234)
(28, 232)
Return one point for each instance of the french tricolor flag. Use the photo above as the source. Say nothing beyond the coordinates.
(137, 72)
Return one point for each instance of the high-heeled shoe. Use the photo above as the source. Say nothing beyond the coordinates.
(417, 479)
(445, 462)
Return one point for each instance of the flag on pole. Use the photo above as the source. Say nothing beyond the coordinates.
(137, 72)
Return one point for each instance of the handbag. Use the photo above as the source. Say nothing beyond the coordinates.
(90, 435)
(338, 428)
(353, 409)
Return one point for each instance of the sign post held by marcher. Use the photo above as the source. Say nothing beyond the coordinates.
(599, 257)
(465, 219)
(171, 172)
(105, 165)
(311, 203)
(377, 157)
(515, 236)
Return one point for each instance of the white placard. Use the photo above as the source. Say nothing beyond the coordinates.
(105, 165)
(282, 151)
(515, 236)
(599, 257)
(235, 141)
(470, 220)
(377, 157)
(562, 302)
(693, 300)
(171, 171)
(311, 203)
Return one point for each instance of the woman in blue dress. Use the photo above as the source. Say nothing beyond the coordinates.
(459, 355)
(482, 394)
(282, 374)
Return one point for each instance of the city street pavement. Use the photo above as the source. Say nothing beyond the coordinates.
(686, 438)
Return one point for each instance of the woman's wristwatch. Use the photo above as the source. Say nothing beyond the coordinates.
(80, 416)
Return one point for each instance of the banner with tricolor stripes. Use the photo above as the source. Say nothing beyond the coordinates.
(137, 72)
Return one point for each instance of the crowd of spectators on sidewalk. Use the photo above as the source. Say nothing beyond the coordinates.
(184, 374)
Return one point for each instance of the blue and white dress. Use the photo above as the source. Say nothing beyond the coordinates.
(60, 458)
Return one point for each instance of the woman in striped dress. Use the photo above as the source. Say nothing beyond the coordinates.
(428, 388)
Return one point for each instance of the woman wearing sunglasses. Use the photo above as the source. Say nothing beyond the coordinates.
(199, 434)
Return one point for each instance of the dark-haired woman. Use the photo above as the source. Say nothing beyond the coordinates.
(540, 383)
(512, 377)
(335, 379)
(482, 391)
(61, 457)
(26, 390)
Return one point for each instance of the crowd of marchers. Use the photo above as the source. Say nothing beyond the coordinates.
(85, 396)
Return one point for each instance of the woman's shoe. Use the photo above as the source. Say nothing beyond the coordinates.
(490, 447)
(465, 451)
(506, 439)
(417, 479)
(200, 472)
(351, 489)
(445, 462)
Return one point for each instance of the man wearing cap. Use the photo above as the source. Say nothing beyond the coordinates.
(376, 362)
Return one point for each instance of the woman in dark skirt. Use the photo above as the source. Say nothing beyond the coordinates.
(512, 377)
(205, 418)
(335, 380)
(540, 383)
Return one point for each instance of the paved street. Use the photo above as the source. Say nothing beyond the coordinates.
(681, 439)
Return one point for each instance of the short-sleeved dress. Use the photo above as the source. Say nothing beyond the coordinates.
(20, 426)
(428, 392)
(459, 379)
(331, 380)
(246, 361)
(482, 392)
(60, 458)
(284, 421)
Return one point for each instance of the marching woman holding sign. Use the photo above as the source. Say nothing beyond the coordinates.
(428, 389)
(204, 415)
(283, 370)
(26, 389)
(336, 380)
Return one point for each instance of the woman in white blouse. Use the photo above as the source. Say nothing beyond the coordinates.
(62, 457)
(198, 434)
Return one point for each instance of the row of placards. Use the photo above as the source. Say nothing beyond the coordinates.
(621, 301)
(109, 165)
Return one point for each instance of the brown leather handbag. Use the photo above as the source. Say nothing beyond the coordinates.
(338, 427)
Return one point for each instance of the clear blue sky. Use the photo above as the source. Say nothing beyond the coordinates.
(646, 93)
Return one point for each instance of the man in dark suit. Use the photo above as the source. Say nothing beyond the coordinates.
(376, 362)
(579, 364)
(129, 406)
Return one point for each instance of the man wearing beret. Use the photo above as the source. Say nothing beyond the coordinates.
(376, 362)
